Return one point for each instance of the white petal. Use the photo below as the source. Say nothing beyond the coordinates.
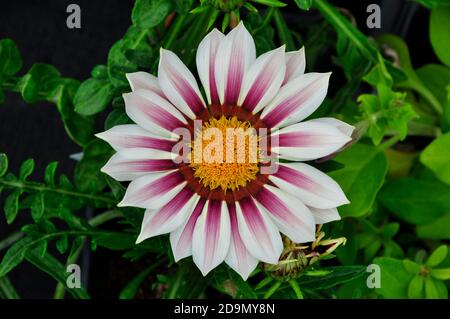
(143, 80)
(133, 136)
(131, 163)
(263, 80)
(295, 64)
(153, 190)
(181, 238)
(290, 215)
(239, 258)
(234, 57)
(308, 141)
(345, 128)
(323, 216)
(211, 238)
(296, 100)
(153, 112)
(206, 57)
(179, 85)
(310, 185)
(169, 217)
(259, 234)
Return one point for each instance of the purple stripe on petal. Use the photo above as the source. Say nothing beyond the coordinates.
(173, 207)
(298, 179)
(187, 92)
(213, 220)
(212, 77)
(144, 142)
(157, 114)
(186, 236)
(255, 222)
(148, 165)
(291, 104)
(277, 207)
(241, 250)
(159, 186)
(235, 74)
(260, 86)
(305, 139)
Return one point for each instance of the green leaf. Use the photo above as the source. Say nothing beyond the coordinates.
(411, 266)
(415, 288)
(229, 282)
(441, 274)
(62, 244)
(182, 6)
(149, 13)
(330, 276)
(37, 206)
(10, 61)
(389, 230)
(304, 4)
(12, 206)
(440, 33)
(88, 177)
(92, 96)
(26, 169)
(437, 256)
(416, 201)
(116, 117)
(436, 157)
(7, 290)
(100, 72)
(394, 278)
(3, 164)
(431, 291)
(438, 228)
(39, 82)
(14, 256)
(49, 175)
(55, 269)
(435, 77)
(131, 289)
(116, 240)
(362, 176)
(79, 128)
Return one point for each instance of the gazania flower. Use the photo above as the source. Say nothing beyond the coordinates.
(228, 211)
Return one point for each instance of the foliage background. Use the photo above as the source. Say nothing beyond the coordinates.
(396, 174)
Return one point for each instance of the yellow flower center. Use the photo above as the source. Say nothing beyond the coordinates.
(225, 153)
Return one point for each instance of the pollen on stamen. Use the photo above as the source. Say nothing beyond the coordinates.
(225, 154)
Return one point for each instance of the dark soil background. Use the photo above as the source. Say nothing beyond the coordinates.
(35, 131)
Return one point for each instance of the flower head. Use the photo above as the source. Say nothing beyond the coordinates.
(209, 172)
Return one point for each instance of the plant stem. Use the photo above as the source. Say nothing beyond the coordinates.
(283, 31)
(174, 31)
(272, 290)
(104, 217)
(390, 142)
(60, 290)
(267, 18)
(174, 288)
(41, 188)
(11, 239)
(7, 290)
(296, 289)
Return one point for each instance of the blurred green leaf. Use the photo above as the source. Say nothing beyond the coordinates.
(436, 157)
(10, 60)
(92, 96)
(440, 32)
(415, 288)
(361, 178)
(437, 256)
(328, 277)
(394, 278)
(26, 169)
(438, 228)
(12, 206)
(150, 13)
(416, 201)
(3, 164)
